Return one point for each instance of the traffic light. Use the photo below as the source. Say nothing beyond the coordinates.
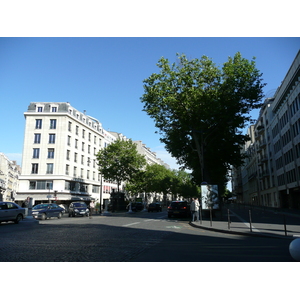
(55, 193)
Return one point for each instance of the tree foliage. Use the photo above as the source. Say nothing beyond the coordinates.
(158, 179)
(200, 108)
(120, 161)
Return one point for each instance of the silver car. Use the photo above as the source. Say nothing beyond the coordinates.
(10, 211)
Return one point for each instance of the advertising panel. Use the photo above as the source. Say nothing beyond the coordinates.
(209, 196)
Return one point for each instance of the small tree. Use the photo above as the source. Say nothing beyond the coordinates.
(120, 161)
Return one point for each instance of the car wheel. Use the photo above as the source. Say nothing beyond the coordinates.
(18, 218)
(43, 217)
(59, 215)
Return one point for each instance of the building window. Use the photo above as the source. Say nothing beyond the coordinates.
(38, 124)
(88, 174)
(82, 159)
(83, 133)
(96, 189)
(40, 109)
(36, 153)
(67, 169)
(77, 130)
(75, 157)
(90, 136)
(54, 109)
(89, 149)
(81, 173)
(70, 126)
(51, 138)
(34, 168)
(68, 154)
(50, 153)
(49, 169)
(76, 144)
(82, 146)
(53, 124)
(37, 138)
(75, 172)
(41, 185)
(69, 140)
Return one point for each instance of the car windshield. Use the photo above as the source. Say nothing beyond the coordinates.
(40, 206)
(79, 204)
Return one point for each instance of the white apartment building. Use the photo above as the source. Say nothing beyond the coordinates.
(271, 174)
(9, 178)
(59, 155)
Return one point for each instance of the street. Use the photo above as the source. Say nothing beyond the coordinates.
(137, 237)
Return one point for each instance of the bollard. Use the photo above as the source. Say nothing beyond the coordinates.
(200, 212)
(228, 219)
(250, 220)
(284, 224)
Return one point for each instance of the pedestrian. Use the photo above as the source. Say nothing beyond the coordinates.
(195, 209)
(92, 207)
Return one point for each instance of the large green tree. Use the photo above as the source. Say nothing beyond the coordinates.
(200, 109)
(120, 161)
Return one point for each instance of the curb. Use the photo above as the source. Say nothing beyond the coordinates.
(269, 235)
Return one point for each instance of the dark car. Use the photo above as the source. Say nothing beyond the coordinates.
(178, 209)
(136, 206)
(10, 211)
(78, 209)
(154, 207)
(47, 210)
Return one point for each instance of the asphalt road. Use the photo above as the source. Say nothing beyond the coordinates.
(138, 237)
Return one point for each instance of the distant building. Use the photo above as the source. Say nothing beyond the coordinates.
(271, 173)
(142, 149)
(9, 178)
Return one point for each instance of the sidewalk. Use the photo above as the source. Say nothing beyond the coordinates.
(253, 222)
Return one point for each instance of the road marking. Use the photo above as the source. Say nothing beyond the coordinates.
(176, 227)
(131, 224)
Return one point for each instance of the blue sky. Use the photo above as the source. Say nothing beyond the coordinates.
(104, 76)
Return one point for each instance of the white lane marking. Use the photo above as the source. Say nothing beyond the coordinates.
(245, 222)
(149, 220)
(131, 224)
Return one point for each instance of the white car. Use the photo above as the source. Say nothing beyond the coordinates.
(10, 211)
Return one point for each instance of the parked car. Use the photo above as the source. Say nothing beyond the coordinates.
(178, 208)
(47, 210)
(78, 209)
(135, 206)
(154, 207)
(10, 211)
